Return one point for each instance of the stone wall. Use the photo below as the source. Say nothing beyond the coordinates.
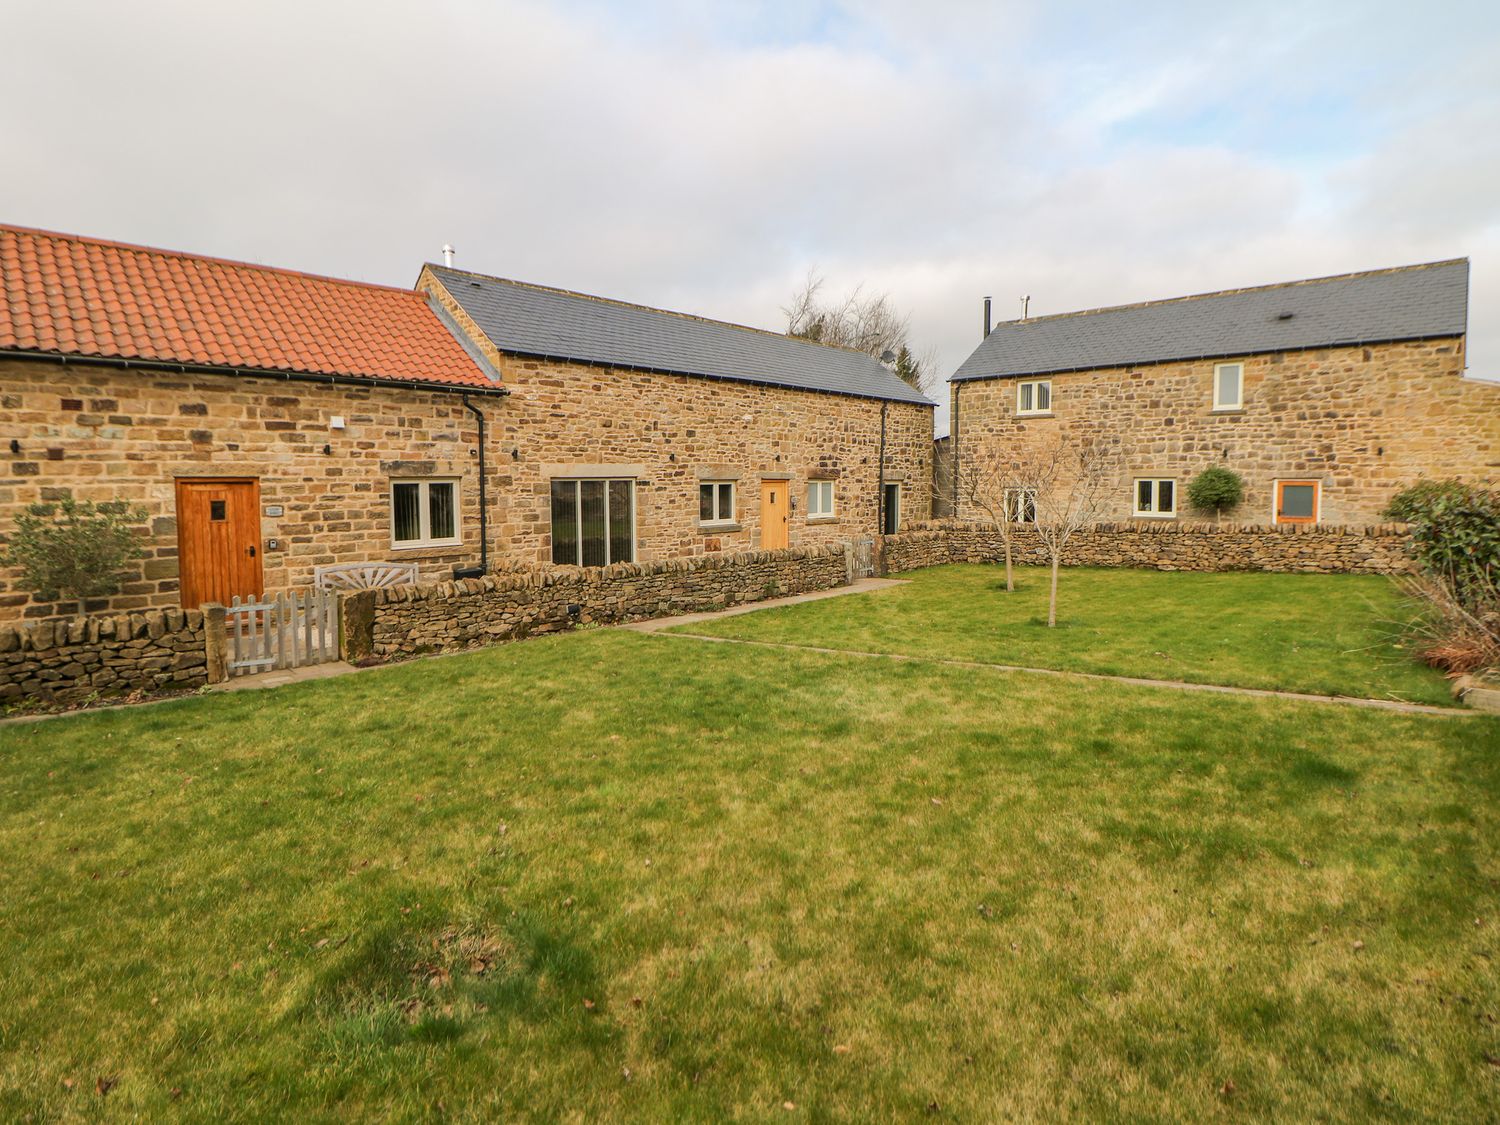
(1377, 549)
(405, 621)
(68, 661)
(1364, 422)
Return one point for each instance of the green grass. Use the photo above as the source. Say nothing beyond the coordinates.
(1331, 634)
(870, 889)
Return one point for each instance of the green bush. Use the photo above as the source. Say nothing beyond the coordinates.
(1215, 489)
(1455, 531)
(74, 548)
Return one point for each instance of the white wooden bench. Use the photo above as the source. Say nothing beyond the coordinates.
(364, 576)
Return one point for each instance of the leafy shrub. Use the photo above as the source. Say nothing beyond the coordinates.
(1215, 489)
(1455, 531)
(74, 548)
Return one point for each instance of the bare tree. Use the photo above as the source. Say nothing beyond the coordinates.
(1005, 493)
(867, 323)
(1073, 479)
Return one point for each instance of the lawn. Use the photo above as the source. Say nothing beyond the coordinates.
(1330, 634)
(609, 875)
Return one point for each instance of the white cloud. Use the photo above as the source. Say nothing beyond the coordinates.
(704, 157)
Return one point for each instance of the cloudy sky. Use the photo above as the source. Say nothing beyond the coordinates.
(705, 157)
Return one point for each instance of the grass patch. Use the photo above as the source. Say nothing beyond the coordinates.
(1332, 634)
(618, 876)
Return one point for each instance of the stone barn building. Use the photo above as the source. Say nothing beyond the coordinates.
(709, 436)
(1326, 396)
(272, 422)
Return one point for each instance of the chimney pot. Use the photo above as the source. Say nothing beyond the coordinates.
(986, 316)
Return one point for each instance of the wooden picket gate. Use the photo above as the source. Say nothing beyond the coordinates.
(860, 558)
(286, 631)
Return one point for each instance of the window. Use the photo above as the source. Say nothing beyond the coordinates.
(1156, 497)
(716, 502)
(1229, 380)
(820, 499)
(1020, 505)
(424, 513)
(1034, 398)
(593, 522)
(1297, 501)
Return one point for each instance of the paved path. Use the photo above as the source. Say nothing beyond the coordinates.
(1136, 681)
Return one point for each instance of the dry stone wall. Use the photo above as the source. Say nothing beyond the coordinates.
(406, 621)
(1319, 549)
(68, 661)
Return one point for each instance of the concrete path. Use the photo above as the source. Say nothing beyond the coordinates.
(861, 586)
(1135, 681)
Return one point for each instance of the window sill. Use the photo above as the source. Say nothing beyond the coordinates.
(429, 551)
(1034, 414)
(1154, 516)
(1227, 410)
(822, 519)
(726, 525)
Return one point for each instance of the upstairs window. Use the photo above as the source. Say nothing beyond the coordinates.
(424, 513)
(1034, 397)
(820, 499)
(593, 522)
(716, 502)
(1156, 497)
(1229, 386)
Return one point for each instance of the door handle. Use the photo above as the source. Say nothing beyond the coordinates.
(250, 551)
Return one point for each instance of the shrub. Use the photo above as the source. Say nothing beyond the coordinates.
(74, 548)
(1215, 489)
(1451, 636)
(1455, 530)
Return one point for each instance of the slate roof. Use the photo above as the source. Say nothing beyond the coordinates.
(534, 320)
(1407, 303)
(66, 296)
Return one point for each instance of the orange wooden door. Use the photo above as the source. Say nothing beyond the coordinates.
(218, 540)
(774, 511)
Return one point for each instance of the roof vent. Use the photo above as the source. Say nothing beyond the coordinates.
(448, 255)
(1285, 316)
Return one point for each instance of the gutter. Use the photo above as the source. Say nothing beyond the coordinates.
(484, 525)
(253, 372)
(880, 495)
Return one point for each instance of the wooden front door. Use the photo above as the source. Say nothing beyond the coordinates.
(1297, 501)
(218, 540)
(774, 511)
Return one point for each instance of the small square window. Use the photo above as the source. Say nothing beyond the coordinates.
(1034, 397)
(1156, 497)
(1229, 386)
(716, 502)
(216, 510)
(820, 499)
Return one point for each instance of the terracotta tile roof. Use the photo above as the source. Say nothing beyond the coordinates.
(82, 297)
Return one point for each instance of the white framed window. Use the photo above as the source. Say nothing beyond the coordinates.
(1020, 505)
(1034, 397)
(1229, 386)
(820, 499)
(1156, 496)
(424, 513)
(593, 521)
(890, 517)
(716, 502)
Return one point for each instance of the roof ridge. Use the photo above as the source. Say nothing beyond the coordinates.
(1242, 289)
(138, 248)
(652, 308)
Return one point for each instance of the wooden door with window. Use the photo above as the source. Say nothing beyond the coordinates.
(218, 540)
(774, 512)
(1297, 501)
